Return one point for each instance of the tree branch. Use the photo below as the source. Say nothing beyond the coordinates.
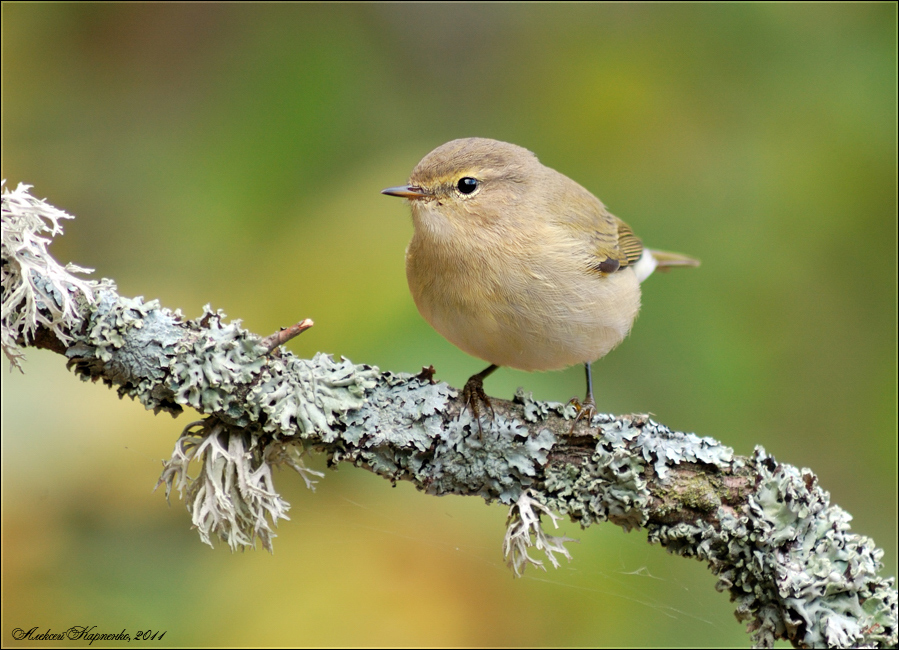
(766, 529)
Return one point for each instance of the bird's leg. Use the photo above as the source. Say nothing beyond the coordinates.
(588, 408)
(473, 393)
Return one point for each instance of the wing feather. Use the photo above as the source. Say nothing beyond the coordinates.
(616, 249)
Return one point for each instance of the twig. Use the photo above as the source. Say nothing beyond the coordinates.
(283, 335)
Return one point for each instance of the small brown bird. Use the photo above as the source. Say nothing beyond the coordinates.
(517, 264)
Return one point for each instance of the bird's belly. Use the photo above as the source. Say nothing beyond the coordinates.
(527, 322)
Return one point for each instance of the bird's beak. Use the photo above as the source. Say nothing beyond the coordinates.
(405, 192)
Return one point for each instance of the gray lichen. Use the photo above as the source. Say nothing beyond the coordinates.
(234, 495)
(126, 343)
(37, 290)
(792, 566)
(766, 529)
(523, 530)
(308, 397)
(401, 432)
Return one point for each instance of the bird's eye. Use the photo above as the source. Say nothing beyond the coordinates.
(467, 185)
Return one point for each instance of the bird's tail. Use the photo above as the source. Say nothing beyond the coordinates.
(666, 260)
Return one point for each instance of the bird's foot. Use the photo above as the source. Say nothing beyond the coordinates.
(474, 395)
(586, 410)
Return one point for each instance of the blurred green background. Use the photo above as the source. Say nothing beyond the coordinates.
(234, 154)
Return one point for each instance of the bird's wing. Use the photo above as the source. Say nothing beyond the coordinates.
(628, 243)
(611, 245)
(615, 246)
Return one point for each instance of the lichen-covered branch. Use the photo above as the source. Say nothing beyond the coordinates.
(766, 529)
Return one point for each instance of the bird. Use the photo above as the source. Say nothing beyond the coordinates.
(518, 265)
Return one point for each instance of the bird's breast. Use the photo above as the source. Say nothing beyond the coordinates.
(527, 304)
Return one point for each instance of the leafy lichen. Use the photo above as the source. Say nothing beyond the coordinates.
(791, 564)
(37, 290)
(400, 432)
(234, 496)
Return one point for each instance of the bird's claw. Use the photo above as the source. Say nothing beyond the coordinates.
(474, 395)
(585, 410)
